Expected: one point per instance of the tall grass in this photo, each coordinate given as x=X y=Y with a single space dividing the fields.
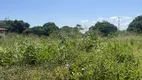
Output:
x=70 y=57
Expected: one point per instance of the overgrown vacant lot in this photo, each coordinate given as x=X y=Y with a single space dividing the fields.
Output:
x=71 y=58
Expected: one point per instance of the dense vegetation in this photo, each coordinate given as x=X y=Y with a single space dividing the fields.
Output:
x=136 y=25
x=17 y=26
x=61 y=57
x=104 y=27
x=51 y=53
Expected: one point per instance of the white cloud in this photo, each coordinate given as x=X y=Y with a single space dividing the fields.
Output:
x=85 y=25
x=124 y=26
x=124 y=21
x=113 y=19
x=125 y=17
x=94 y=22
x=138 y=14
x=100 y=19
x=85 y=21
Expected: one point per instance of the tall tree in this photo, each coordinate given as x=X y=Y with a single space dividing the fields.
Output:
x=136 y=25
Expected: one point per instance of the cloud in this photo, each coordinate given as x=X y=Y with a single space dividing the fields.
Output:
x=113 y=19
x=100 y=19
x=94 y=22
x=125 y=17
x=138 y=14
x=124 y=26
x=85 y=24
x=124 y=21
x=85 y=21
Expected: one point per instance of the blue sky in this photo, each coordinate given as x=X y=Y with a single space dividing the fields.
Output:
x=71 y=12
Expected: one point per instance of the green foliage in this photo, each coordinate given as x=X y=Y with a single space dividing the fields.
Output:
x=37 y=30
x=79 y=27
x=17 y=26
x=136 y=25
x=68 y=29
x=46 y=29
x=64 y=57
x=50 y=27
x=104 y=27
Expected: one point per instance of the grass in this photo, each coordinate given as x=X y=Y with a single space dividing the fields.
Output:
x=70 y=57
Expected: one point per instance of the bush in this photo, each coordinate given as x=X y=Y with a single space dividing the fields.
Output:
x=74 y=58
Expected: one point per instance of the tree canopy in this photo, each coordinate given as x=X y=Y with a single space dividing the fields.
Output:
x=17 y=26
x=136 y=25
x=69 y=29
x=50 y=27
x=46 y=29
x=104 y=27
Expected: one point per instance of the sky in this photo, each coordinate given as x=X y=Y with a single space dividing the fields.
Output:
x=71 y=12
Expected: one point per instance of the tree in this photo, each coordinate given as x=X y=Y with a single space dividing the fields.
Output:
x=78 y=27
x=46 y=29
x=66 y=29
x=104 y=27
x=17 y=26
x=69 y=29
x=27 y=31
x=50 y=27
x=136 y=25
x=2 y=23
x=38 y=30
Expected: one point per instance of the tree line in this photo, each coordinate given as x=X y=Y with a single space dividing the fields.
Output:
x=104 y=27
